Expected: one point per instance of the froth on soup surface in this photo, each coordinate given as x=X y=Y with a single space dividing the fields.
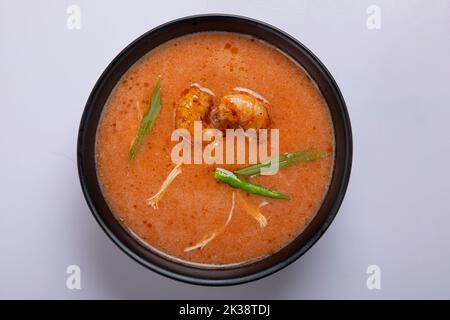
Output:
x=195 y=204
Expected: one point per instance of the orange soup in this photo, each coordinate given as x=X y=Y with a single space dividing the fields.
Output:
x=196 y=218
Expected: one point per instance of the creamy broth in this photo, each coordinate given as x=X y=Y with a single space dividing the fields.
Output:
x=195 y=204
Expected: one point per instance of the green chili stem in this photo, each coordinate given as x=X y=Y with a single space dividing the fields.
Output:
x=232 y=180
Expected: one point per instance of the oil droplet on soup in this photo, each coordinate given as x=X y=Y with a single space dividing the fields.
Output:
x=195 y=206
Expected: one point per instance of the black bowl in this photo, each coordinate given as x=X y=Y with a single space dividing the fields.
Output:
x=195 y=274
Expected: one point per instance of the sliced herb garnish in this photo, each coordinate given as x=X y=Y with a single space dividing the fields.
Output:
x=285 y=160
x=147 y=122
x=234 y=181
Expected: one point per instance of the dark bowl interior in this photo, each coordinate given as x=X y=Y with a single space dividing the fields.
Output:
x=193 y=274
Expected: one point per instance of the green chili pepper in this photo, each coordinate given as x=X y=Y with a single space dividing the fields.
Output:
x=285 y=160
x=231 y=179
x=148 y=121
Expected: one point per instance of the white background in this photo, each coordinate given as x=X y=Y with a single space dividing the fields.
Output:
x=396 y=84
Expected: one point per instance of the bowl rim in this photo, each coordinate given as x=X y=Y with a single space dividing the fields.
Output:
x=259 y=274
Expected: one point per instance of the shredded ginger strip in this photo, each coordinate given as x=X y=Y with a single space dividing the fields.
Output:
x=153 y=201
x=254 y=212
x=215 y=233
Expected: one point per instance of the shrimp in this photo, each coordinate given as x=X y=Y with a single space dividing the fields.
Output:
x=241 y=109
x=195 y=105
